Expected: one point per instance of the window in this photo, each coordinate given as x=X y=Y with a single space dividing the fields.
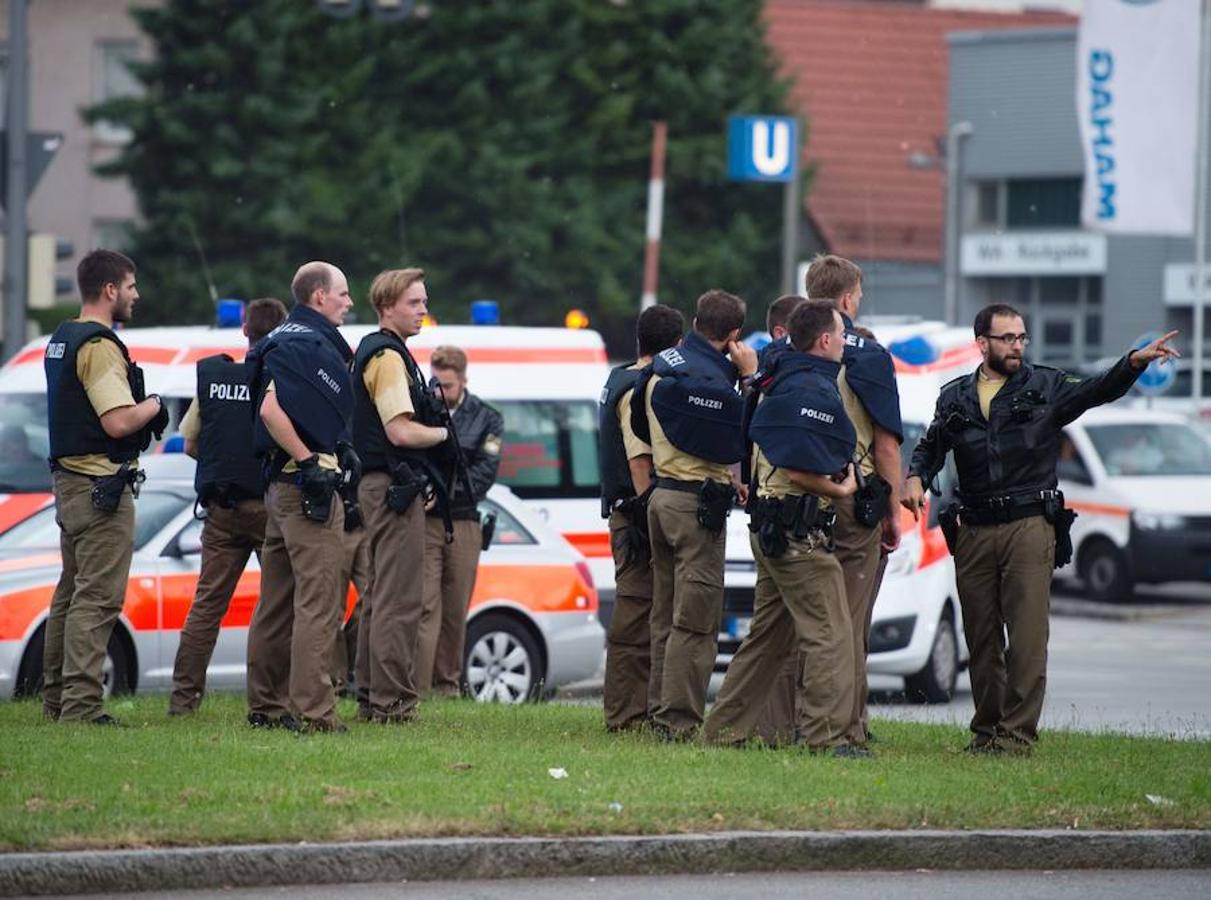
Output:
x=113 y=79
x=24 y=444
x=1070 y=466
x=153 y=510
x=550 y=448
x=1148 y=449
x=508 y=530
x=1043 y=202
x=988 y=204
x=112 y=234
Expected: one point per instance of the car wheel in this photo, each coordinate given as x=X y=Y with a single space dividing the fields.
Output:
x=1105 y=574
x=116 y=671
x=502 y=662
x=935 y=683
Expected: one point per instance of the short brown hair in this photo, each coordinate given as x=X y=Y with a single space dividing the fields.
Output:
x=810 y=320
x=718 y=315
x=262 y=316
x=779 y=312
x=102 y=267
x=831 y=277
x=390 y=284
x=450 y=358
x=311 y=277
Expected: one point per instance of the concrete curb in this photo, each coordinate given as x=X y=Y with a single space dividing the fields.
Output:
x=462 y=858
x=1115 y=612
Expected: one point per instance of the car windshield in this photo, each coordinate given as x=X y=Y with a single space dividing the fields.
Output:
x=153 y=510
x=24 y=445
x=549 y=448
x=1148 y=448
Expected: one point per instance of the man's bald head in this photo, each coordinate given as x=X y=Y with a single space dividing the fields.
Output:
x=312 y=277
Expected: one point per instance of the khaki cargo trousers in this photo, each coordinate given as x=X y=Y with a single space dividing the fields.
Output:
x=799 y=603
x=96 y=548
x=302 y=598
x=1004 y=578
x=356 y=570
x=450 y=571
x=687 y=606
x=229 y=538
x=631 y=688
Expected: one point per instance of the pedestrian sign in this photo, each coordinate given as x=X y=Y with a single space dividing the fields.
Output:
x=1160 y=374
x=762 y=148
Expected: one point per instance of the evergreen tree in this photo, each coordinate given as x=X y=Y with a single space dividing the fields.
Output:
x=503 y=146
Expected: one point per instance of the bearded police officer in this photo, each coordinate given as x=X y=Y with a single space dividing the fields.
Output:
x=803 y=439
x=98 y=422
x=394 y=430
x=690 y=415
x=231 y=488
x=868 y=524
x=626 y=485
x=450 y=566
x=299 y=382
x=1003 y=423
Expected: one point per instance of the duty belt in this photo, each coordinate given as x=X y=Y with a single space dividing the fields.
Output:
x=1004 y=509
x=676 y=484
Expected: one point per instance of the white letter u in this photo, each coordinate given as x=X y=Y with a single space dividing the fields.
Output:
x=771 y=157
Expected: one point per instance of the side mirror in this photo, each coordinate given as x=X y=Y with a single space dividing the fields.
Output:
x=189 y=542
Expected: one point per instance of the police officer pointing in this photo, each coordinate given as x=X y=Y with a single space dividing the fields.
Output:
x=393 y=429
x=231 y=488
x=302 y=397
x=626 y=485
x=804 y=439
x=691 y=415
x=99 y=421
x=1003 y=424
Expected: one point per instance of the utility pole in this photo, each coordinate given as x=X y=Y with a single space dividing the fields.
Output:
x=954 y=212
x=655 y=218
x=16 y=253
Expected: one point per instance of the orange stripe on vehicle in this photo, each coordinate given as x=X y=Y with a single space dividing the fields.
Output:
x=29 y=562
x=18 y=507
x=20 y=609
x=160 y=356
x=1098 y=509
x=951 y=358
x=33 y=354
x=538 y=588
x=593 y=544
x=193 y=354
x=524 y=355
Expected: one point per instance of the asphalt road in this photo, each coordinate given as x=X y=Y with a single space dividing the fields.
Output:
x=1174 y=885
x=1143 y=669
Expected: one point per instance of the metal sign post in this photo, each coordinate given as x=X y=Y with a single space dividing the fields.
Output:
x=766 y=148
x=16 y=259
x=1200 y=206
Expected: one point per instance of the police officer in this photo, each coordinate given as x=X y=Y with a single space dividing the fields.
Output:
x=803 y=440
x=691 y=417
x=1003 y=424
x=300 y=389
x=98 y=421
x=394 y=432
x=626 y=484
x=868 y=524
x=217 y=430
x=450 y=566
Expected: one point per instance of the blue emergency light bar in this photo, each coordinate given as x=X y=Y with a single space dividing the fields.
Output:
x=485 y=312
x=229 y=314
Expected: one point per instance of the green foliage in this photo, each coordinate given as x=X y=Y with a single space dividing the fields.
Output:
x=503 y=146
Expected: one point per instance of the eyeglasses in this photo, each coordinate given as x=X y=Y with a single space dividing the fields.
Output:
x=1010 y=339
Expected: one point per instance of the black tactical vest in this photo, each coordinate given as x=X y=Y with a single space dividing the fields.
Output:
x=228 y=469
x=370 y=439
x=612 y=455
x=74 y=426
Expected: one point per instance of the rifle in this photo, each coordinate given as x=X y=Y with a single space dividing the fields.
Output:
x=460 y=472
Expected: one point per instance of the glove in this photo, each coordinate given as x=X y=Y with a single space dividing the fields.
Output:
x=159 y=424
x=349 y=462
x=317 y=486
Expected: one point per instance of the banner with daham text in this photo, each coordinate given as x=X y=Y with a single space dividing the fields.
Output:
x=1137 y=103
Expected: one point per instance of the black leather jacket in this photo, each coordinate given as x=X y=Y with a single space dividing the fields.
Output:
x=480 y=430
x=1015 y=451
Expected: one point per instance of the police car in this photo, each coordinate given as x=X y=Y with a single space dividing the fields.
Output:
x=532 y=624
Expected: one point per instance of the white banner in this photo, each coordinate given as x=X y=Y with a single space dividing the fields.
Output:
x=1137 y=104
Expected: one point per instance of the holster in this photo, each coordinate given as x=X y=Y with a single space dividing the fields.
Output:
x=1061 y=519
x=776 y=521
x=406 y=486
x=317 y=493
x=489 y=529
x=715 y=502
x=638 y=547
x=353 y=514
x=107 y=491
x=871 y=501
x=948 y=521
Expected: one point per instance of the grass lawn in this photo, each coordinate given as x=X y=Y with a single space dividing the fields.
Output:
x=468 y=769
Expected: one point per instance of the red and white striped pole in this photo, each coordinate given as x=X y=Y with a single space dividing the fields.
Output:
x=651 y=255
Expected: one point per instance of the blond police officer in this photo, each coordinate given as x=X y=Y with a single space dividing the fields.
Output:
x=691 y=417
x=803 y=439
x=99 y=421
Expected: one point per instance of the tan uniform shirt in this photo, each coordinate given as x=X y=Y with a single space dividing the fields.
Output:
x=987 y=388
x=101 y=368
x=191 y=425
x=773 y=481
x=387 y=382
x=864 y=426
x=671 y=462
x=326 y=460
x=630 y=441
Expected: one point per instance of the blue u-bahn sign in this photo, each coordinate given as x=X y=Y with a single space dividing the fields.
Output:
x=762 y=148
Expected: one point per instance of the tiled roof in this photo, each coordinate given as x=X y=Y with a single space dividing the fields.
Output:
x=870 y=77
